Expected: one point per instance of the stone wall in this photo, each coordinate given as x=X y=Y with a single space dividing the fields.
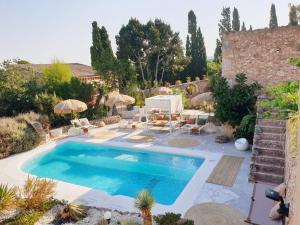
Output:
x=262 y=54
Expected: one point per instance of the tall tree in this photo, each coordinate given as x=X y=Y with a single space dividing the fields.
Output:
x=225 y=22
x=188 y=46
x=218 y=52
x=197 y=50
x=293 y=17
x=250 y=28
x=273 y=17
x=236 y=25
x=244 y=27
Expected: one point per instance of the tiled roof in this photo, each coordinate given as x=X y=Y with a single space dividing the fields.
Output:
x=79 y=70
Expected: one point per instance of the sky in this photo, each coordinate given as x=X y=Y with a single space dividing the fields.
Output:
x=42 y=30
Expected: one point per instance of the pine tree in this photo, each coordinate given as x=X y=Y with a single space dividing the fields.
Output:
x=244 y=27
x=273 y=18
x=218 y=52
x=236 y=25
x=225 y=22
x=293 y=19
x=188 y=46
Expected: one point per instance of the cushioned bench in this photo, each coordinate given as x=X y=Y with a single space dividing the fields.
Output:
x=260 y=206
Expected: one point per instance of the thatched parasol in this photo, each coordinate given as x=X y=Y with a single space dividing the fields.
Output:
x=202 y=99
x=70 y=106
x=117 y=99
x=162 y=91
x=215 y=213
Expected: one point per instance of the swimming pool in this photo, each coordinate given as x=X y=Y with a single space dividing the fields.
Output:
x=116 y=170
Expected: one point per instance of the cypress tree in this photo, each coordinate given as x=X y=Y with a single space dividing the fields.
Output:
x=273 y=18
x=96 y=49
x=192 y=23
x=218 y=52
x=188 y=46
x=250 y=28
x=200 y=60
x=244 y=27
x=225 y=22
x=236 y=25
x=293 y=19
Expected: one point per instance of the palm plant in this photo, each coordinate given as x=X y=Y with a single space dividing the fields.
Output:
x=7 y=197
x=144 y=202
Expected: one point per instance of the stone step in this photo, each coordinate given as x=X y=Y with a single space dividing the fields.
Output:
x=276 y=123
x=280 y=145
x=277 y=161
x=267 y=168
x=266 y=177
x=270 y=136
x=269 y=129
x=264 y=151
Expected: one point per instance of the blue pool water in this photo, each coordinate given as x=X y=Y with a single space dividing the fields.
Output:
x=117 y=171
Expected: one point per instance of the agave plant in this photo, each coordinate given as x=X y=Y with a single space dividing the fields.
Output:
x=144 y=202
x=72 y=212
x=7 y=197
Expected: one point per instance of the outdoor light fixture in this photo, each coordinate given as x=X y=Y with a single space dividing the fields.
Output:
x=283 y=208
x=107 y=216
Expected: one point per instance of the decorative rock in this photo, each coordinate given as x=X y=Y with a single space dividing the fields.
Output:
x=101 y=124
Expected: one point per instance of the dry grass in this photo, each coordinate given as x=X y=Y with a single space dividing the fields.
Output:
x=36 y=193
x=8 y=197
x=71 y=212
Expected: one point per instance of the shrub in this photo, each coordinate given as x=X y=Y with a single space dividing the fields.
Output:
x=188 y=79
x=172 y=219
x=295 y=61
x=27 y=218
x=197 y=78
x=36 y=193
x=16 y=137
x=231 y=104
x=71 y=212
x=7 y=197
x=246 y=128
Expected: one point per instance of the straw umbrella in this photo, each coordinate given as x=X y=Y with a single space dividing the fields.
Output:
x=70 y=106
x=162 y=91
x=116 y=99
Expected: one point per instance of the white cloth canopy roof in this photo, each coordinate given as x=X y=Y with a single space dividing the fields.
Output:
x=169 y=103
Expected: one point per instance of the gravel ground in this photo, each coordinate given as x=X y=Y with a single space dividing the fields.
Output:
x=94 y=215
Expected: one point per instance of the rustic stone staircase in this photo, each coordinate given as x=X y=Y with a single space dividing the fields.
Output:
x=268 y=156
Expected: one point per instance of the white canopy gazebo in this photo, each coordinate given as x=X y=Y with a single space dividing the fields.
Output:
x=171 y=104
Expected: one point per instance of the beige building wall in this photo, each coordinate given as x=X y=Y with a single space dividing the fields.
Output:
x=262 y=54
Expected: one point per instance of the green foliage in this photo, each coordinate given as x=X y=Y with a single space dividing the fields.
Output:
x=244 y=27
x=213 y=69
x=246 y=128
x=232 y=104
x=284 y=98
x=7 y=197
x=218 y=52
x=295 y=61
x=27 y=218
x=273 y=17
x=45 y=103
x=225 y=22
x=196 y=49
x=56 y=74
x=144 y=201
x=15 y=83
x=293 y=15
x=171 y=219
x=236 y=25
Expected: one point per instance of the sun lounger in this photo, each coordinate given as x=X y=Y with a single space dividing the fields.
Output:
x=84 y=122
x=75 y=131
x=193 y=127
x=260 y=206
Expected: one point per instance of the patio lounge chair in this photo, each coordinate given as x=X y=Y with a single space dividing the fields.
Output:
x=84 y=122
x=260 y=206
x=192 y=126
